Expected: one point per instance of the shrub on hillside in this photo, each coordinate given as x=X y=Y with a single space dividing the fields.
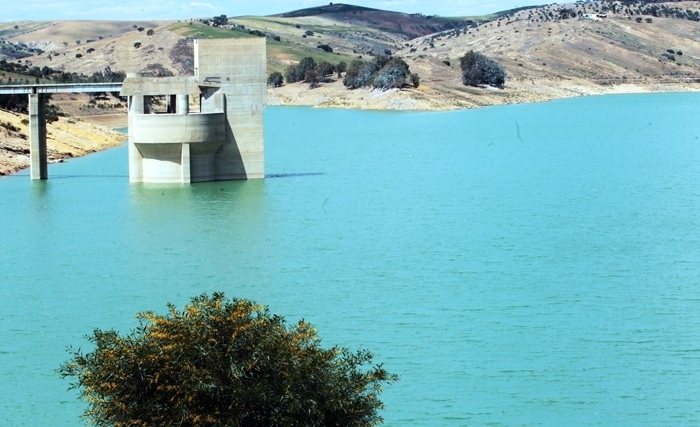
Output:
x=341 y=67
x=275 y=79
x=381 y=72
x=297 y=73
x=324 y=69
x=415 y=79
x=479 y=70
x=392 y=75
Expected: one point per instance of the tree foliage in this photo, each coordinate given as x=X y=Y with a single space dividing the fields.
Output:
x=480 y=70
x=297 y=73
x=341 y=67
x=222 y=362
x=415 y=79
x=275 y=79
x=325 y=69
x=220 y=20
x=381 y=72
x=392 y=75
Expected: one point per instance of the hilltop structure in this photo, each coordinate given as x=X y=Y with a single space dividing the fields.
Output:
x=222 y=141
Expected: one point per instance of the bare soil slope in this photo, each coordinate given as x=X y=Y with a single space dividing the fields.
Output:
x=66 y=138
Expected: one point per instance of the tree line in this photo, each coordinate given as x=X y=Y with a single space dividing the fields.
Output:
x=381 y=72
x=58 y=76
x=384 y=72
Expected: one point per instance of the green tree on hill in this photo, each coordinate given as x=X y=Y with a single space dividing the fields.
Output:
x=220 y=20
x=381 y=72
x=392 y=75
x=275 y=79
x=479 y=70
x=297 y=73
x=325 y=69
x=341 y=67
x=223 y=362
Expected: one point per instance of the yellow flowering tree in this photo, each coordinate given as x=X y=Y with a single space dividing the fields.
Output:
x=222 y=362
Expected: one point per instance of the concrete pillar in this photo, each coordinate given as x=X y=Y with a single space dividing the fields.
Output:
x=183 y=104
x=185 y=163
x=38 y=167
x=135 y=163
x=136 y=106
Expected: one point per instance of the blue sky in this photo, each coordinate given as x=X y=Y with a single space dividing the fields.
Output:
x=26 y=10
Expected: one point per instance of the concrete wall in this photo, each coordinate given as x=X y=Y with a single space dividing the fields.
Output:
x=176 y=128
x=177 y=147
x=225 y=140
x=237 y=67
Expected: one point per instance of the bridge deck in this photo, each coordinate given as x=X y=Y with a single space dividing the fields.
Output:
x=60 y=88
x=38 y=168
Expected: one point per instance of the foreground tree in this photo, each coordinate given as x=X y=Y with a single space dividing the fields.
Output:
x=224 y=362
x=480 y=70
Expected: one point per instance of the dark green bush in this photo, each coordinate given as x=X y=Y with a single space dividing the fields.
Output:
x=275 y=79
x=479 y=70
x=381 y=72
x=296 y=73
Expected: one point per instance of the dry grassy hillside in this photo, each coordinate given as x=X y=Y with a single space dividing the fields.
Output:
x=613 y=49
x=548 y=52
x=100 y=44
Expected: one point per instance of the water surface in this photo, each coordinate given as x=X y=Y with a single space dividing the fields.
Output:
x=529 y=265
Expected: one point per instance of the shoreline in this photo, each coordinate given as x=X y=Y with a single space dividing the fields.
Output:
x=78 y=136
x=67 y=138
x=453 y=97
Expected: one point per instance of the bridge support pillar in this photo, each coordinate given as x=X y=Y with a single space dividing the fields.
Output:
x=38 y=166
x=183 y=104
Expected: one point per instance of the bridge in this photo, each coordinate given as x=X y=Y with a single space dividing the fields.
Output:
x=38 y=167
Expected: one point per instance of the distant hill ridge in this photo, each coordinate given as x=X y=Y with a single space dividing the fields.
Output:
x=331 y=8
x=410 y=25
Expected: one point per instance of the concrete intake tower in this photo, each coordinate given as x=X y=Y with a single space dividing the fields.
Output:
x=222 y=141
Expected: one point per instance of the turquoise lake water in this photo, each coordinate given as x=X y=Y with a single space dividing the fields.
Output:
x=528 y=265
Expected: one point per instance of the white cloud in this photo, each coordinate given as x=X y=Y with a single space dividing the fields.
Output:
x=199 y=4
